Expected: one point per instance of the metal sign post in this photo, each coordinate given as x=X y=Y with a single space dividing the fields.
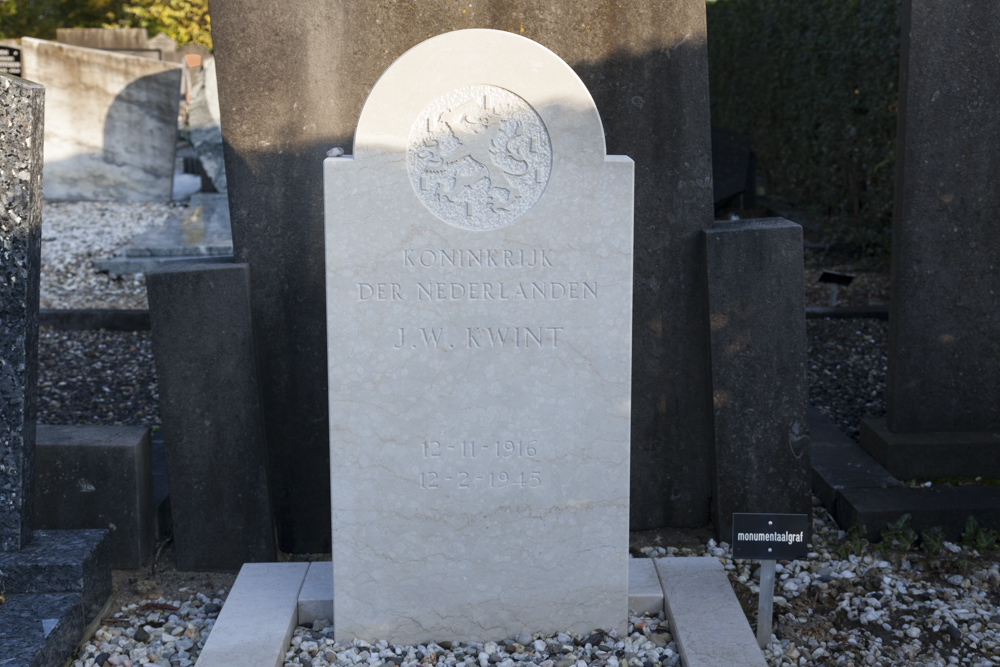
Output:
x=769 y=538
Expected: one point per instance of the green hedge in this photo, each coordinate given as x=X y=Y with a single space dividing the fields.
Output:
x=813 y=83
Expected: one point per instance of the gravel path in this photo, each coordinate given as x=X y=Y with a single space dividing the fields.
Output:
x=848 y=603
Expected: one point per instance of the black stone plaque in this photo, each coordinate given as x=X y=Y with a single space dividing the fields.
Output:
x=10 y=60
x=770 y=536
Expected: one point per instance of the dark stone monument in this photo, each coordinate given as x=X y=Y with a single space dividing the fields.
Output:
x=22 y=110
x=646 y=66
x=943 y=388
x=210 y=403
x=54 y=581
x=90 y=476
x=758 y=342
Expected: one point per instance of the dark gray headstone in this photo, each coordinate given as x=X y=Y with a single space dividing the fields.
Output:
x=944 y=326
x=758 y=340
x=89 y=476
x=210 y=404
x=21 y=119
x=647 y=68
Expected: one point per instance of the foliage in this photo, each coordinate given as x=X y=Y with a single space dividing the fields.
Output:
x=932 y=540
x=813 y=83
x=977 y=537
x=184 y=21
x=899 y=535
x=855 y=542
x=40 y=18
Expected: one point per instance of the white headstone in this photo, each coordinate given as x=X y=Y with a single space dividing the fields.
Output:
x=479 y=305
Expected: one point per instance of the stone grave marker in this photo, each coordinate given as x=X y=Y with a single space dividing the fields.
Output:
x=943 y=388
x=479 y=312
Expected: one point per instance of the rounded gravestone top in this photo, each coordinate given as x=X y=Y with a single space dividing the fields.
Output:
x=479 y=157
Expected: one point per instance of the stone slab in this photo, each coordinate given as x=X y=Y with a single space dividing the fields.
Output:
x=754 y=273
x=62 y=561
x=840 y=463
x=201 y=229
x=645 y=594
x=944 y=325
x=40 y=629
x=932 y=455
x=255 y=625
x=479 y=351
x=646 y=65
x=948 y=507
x=705 y=617
x=316 y=596
x=98 y=477
x=22 y=120
x=206 y=372
x=111 y=122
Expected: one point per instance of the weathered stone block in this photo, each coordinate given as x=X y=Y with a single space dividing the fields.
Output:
x=758 y=342
x=110 y=121
x=21 y=120
x=210 y=403
x=98 y=477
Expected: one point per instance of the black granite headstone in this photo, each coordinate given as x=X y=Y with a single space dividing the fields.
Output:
x=21 y=119
x=944 y=324
x=758 y=338
x=646 y=65
x=210 y=403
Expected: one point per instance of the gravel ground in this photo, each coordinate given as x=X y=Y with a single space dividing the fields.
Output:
x=74 y=234
x=848 y=603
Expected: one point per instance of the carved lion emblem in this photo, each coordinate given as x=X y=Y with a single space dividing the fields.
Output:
x=479 y=157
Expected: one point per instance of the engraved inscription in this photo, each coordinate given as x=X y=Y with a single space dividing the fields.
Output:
x=480 y=338
x=479 y=157
x=494 y=479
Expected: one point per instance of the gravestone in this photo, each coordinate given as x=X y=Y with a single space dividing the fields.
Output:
x=943 y=387
x=646 y=66
x=479 y=300
x=51 y=582
x=110 y=122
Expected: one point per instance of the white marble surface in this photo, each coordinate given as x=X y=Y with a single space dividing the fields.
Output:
x=645 y=595
x=509 y=341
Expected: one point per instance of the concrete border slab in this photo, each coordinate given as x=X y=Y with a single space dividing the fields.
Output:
x=256 y=623
x=316 y=597
x=645 y=595
x=705 y=617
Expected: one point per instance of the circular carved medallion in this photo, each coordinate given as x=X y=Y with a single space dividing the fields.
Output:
x=479 y=157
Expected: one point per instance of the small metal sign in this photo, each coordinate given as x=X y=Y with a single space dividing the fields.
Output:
x=10 y=60
x=770 y=536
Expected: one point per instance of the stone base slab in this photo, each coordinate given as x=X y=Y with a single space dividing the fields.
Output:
x=39 y=629
x=62 y=561
x=856 y=490
x=705 y=616
x=932 y=455
x=269 y=599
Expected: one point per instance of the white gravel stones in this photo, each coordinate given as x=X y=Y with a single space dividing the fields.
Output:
x=842 y=607
x=160 y=632
x=649 y=644
x=76 y=233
